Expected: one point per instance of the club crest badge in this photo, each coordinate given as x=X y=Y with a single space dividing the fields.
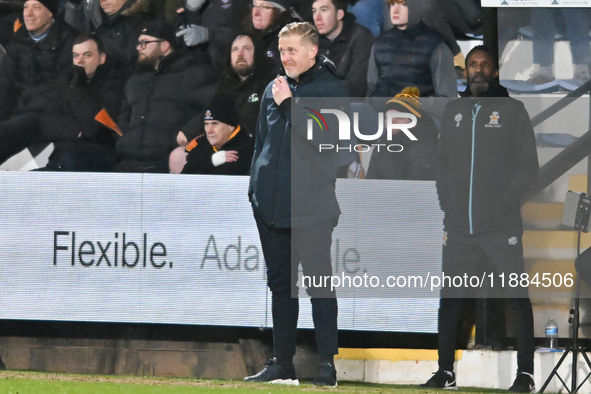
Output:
x=494 y=118
x=513 y=241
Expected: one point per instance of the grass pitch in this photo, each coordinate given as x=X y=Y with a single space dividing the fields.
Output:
x=19 y=382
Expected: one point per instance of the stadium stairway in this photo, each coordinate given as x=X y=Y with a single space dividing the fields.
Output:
x=550 y=247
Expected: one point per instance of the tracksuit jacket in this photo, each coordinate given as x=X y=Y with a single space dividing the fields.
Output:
x=487 y=159
x=285 y=159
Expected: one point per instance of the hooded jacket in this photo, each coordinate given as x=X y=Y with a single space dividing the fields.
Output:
x=487 y=159
x=158 y=104
x=248 y=93
x=416 y=56
x=291 y=184
x=31 y=70
x=350 y=52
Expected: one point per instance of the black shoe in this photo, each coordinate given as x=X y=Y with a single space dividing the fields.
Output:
x=326 y=375
x=523 y=383
x=442 y=380
x=275 y=373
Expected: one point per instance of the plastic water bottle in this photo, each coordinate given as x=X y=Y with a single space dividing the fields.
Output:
x=552 y=332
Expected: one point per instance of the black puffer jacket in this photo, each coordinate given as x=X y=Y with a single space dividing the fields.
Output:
x=119 y=32
x=158 y=104
x=403 y=58
x=69 y=121
x=31 y=71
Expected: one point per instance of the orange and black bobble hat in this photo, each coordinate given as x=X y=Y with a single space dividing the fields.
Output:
x=407 y=100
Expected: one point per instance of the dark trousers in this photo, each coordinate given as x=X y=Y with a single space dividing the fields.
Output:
x=18 y=133
x=499 y=252
x=284 y=250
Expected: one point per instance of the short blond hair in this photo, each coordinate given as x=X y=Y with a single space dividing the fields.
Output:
x=305 y=30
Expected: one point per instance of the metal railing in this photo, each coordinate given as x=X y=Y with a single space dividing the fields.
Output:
x=570 y=156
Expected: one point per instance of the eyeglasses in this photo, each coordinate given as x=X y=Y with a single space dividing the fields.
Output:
x=143 y=44
x=261 y=7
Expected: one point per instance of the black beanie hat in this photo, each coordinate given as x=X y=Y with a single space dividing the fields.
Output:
x=160 y=29
x=51 y=5
x=223 y=109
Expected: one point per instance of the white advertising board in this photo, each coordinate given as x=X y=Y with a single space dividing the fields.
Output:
x=185 y=250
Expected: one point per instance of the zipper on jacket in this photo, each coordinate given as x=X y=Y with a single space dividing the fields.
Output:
x=477 y=107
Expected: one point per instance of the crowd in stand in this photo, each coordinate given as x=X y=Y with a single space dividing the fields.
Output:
x=137 y=85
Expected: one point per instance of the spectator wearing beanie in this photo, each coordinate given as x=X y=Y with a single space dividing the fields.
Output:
x=169 y=88
x=39 y=54
x=402 y=158
x=225 y=148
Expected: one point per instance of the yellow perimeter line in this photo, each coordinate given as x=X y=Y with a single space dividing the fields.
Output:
x=391 y=354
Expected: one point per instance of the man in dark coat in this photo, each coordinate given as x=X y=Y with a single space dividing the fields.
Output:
x=218 y=23
x=410 y=54
x=39 y=54
x=96 y=83
x=264 y=22
x=170 y=88
x=346 y=43
x=295 y=208
x=120 y=27
x=225 y=148
x=487 y=159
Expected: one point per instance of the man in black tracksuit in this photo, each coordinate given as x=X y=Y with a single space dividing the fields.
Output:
x=487 y=159
x=292 y=189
